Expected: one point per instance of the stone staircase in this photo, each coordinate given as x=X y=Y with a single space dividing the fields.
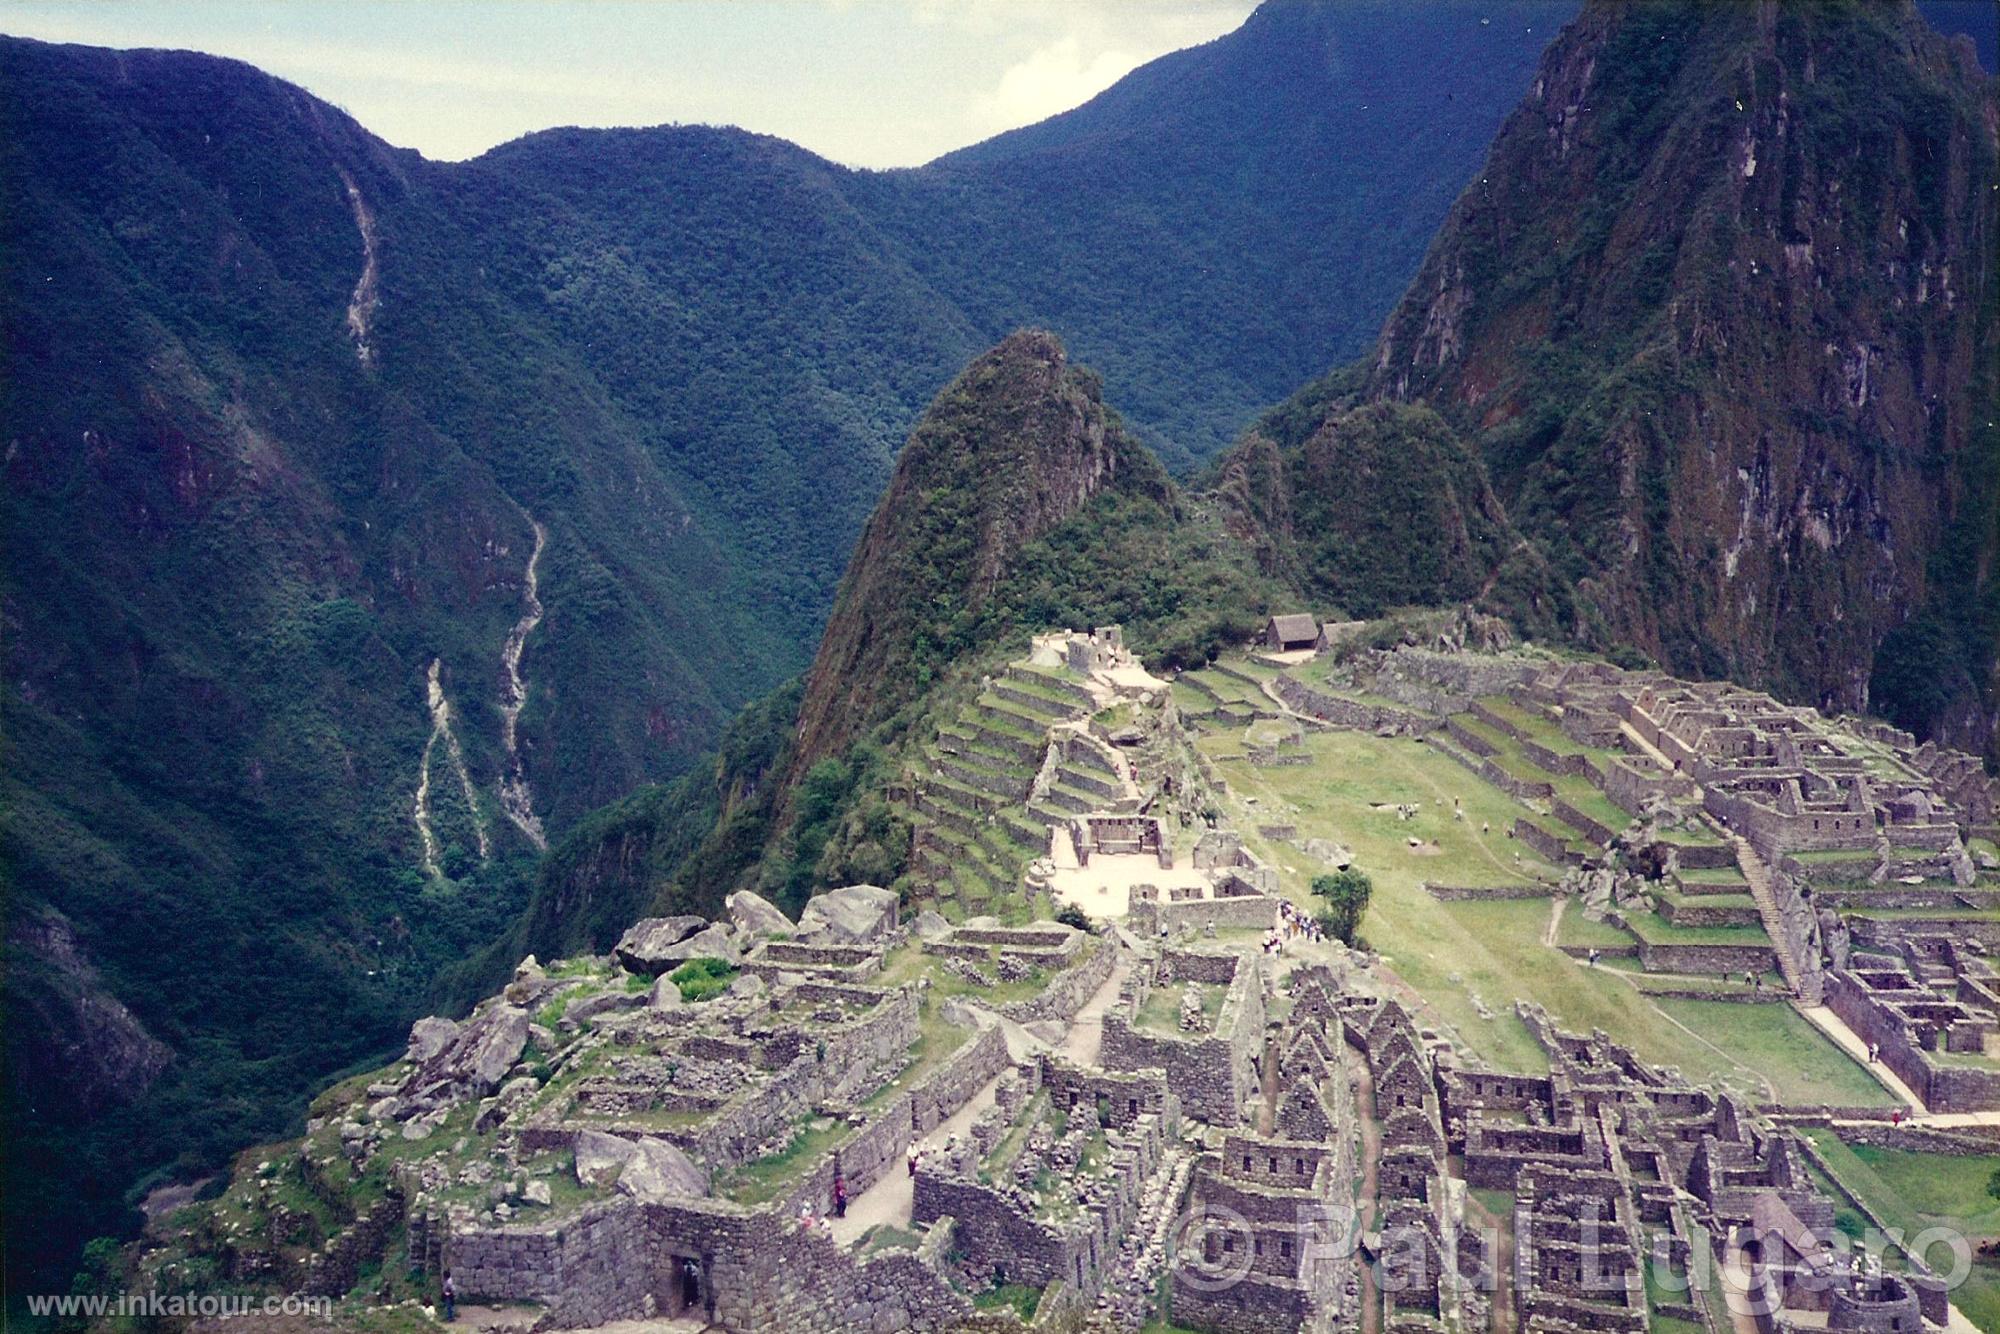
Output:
x=1802 y=976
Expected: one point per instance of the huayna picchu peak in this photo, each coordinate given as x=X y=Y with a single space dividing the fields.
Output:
x=1345 y=683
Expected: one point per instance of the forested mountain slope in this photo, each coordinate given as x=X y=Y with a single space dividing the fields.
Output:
x=369 y=519
x=1719 y=314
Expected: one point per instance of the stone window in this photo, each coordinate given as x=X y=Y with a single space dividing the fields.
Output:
x=1274 y=1164
x=1285 y=1247
x=1229 y=1241
x=1298 y=1167
x=1246 y=1162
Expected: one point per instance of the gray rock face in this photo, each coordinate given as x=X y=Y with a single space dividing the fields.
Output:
x=930 y=925
x=755 y=915
x=747 y=984
x=659 y=1171
x=603 y=1003
x=428 y=1037
x=854 y=915
x=664 y=995
x=601 y=1157
x=497 y=1041
x=712 y=943
x=649 y=946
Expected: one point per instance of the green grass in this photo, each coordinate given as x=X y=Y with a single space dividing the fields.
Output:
x=1658 y=930
x=1162 y=1011
x=1576 y=929
x=1914 y=1191
x=1016 y=1297
x=1447 y=952
x=702 y=979
x=887 y=1236
x=1801 y=1064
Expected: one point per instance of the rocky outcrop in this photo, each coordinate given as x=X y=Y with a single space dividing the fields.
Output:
x=658 y=1171
x=754 y=915
x=94 y=1051
x=1719 y=316
x=850 y=916
x=657 y=944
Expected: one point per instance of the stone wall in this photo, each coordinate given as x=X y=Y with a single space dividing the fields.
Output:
x=1460 y=893
x=1211 y=1074
x=1149 y=920
x=1069 y=990
x=1709 y=959
x=1301 y=698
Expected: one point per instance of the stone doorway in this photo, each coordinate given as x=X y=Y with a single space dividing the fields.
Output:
x=687 y=1286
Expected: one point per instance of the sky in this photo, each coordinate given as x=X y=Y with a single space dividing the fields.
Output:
x=870 y=83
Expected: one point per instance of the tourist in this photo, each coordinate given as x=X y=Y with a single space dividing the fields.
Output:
x=1593 y=956
x=1874 y=1050
x=450 y=1291
x=806 y=1220
x=915 y=1153
x=839 y=1195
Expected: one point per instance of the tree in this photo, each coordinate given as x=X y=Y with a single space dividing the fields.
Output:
x=1346 y=893
x=1071 y=915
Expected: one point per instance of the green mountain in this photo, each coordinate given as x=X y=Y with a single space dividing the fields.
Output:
x=1719 y=316
x=370 y=520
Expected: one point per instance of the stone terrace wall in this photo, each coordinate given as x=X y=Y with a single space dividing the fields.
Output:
x=1069 y=990
x=1302 y=698
x=1707 y=959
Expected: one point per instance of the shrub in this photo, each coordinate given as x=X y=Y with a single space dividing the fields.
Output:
x=703 y=979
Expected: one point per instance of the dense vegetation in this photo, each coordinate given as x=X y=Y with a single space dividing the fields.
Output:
x=234 y=546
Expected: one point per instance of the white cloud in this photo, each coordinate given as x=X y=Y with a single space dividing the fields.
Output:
x=1053 y=79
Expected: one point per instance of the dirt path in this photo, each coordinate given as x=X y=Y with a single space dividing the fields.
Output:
x=1504 y=1319
x=1737 y=1293
x=1556 y=906
x=1371 y=1162
x=890 y=1199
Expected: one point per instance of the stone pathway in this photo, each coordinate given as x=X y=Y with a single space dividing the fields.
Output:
x=890 y=1199
x=1086 y=1031
x=1848 y=1041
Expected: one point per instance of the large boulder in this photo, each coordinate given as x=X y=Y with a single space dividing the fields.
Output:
x=428 y=1037
x=851 y=916
x=659 y=1171
x=649 y=947
x=493 y=1043
x=600 y=1158
x=755 y=915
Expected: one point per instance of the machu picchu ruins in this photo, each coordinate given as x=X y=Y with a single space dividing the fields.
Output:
x=1095 y=1065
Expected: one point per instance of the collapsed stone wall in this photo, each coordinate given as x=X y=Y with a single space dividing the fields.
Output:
x=853 y=1054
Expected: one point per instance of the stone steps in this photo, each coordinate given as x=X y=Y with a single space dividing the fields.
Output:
x=1758 y=876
